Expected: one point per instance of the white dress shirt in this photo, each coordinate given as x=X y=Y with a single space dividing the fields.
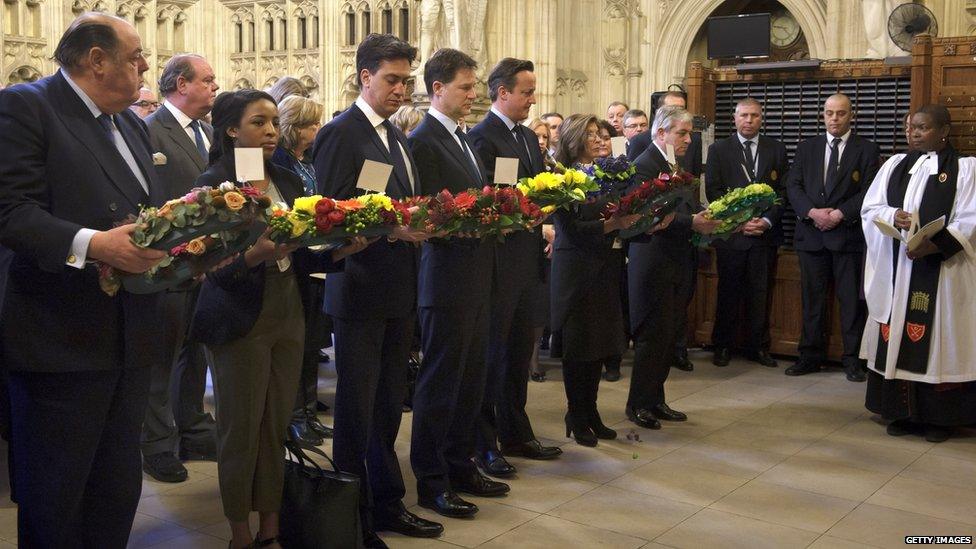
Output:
x=185 y=122
x=376 y=121
x=840 y=151
x=79 y=244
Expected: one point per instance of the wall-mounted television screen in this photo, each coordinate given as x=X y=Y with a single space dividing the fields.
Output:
x=738 y=36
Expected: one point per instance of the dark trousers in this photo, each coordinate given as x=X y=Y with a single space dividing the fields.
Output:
x=174 y=413
x=816 y=271
x=371 y=362
x=743 y=275
x=684 y=300
x=449 y=393
x=75 y=448
x=655 y=337
x=511 y=340
x=316 y=337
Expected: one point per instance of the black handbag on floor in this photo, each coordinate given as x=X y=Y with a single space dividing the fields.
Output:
x=319 y=507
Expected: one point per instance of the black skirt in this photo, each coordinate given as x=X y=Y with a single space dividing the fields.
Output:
x=943 y=404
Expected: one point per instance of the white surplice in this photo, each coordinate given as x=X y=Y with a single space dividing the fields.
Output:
x=952 y=353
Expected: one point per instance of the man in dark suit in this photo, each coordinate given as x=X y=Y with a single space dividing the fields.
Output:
x=453 y=328
x=745 y=260
x=180 y=142
x=77 y=162
x=658 y=275
x=691 y=162
x=516 y=293
x=830 y=175
x=373 y=301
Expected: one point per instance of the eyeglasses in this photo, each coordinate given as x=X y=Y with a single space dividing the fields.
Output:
x=143 y=104
x=636 y=126
x=593 y=136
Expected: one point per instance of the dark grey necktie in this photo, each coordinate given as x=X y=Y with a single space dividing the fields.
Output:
x=833 y=162
x=466 y=151
x=750 y=159
x=198 y=135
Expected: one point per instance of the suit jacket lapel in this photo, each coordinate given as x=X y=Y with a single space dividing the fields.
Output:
x=140 y=151
x=453 y=148
x=79 y=122
x=178 y=134
x=400 y=178
x=506 y=137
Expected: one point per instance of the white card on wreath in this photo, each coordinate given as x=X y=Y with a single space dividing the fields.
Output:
x=249 y=164
x=374 y=176
x=506 y=171
x=618 y=146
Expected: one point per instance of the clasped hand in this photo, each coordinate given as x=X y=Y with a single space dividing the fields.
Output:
x=702 y=224
x=825 y=219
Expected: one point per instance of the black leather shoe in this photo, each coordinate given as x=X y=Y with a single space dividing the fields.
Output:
x=164 y=467
x=538 y=377
x=318 y=427
x=532 y=449
x=324 y=355
x=722 y=356
x=408 y=524
x=663 y=411
x=934 y=433
x=300 y=432
x=477 y=484
x=855 y=372
x=372 y=541
x=682 y=363
x=198 y=452
x=448 y=504
x=495 y=464
x=612 y=374
x=643 y=418
x=901 y=427
x=762 y=357
x=802 y=367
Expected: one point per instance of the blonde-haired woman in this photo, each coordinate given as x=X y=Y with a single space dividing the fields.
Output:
x=300 y=119
x=541 y=131
x=407 y=118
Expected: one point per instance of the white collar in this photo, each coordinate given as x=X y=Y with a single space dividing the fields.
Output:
x=96 y=112
x=664 y=154
x=180 y=116
x=509 y=123
x=843 y=138
x=451 y=125
x=374 y=119
x=742 y=139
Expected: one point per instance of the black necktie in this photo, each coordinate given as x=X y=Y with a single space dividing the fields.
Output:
x=832 y=164
x=108 y=124
x=523 y=151
x=750 y=160
x=399 y=166
x=466 y=152
x=198 y=135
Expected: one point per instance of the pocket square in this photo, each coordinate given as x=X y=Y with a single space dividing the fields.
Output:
x=159 y=159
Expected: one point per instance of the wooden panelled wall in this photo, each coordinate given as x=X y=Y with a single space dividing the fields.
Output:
x=942 y=70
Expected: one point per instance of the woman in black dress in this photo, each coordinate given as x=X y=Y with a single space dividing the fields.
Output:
x=585 y=287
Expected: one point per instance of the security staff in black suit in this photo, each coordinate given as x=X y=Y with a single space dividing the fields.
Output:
x=692 y=163
x=744 y=260
x=830 y=175
x=180 y=140
x=658 y=274
x=516 y=293
x=373 y=301
x=76 y=162
x=453 y=328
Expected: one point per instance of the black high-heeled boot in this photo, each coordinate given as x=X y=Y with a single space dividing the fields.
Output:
x=599 y=429
x=578 y=426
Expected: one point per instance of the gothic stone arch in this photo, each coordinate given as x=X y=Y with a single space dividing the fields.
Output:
x=669 y=52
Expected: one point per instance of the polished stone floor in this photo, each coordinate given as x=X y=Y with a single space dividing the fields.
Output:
x=765 y=460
